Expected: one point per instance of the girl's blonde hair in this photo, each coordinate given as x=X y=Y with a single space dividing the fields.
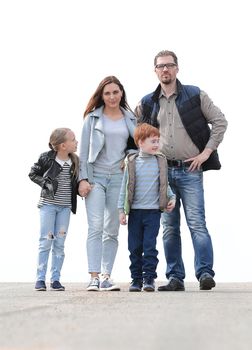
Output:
x=59 y=136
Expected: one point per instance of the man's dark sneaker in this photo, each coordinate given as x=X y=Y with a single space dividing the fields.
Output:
x=206 y=281
x=173 y=285
x=136 y=285
x=149 y=285
x=56 y=285
x=40 y=286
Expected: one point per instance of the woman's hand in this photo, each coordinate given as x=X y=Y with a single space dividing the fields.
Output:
x=84 y=188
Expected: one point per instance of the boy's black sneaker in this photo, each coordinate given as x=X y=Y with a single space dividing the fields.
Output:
x=136 y=285
x=149 y=285
x=56 y=285
x=40 y=286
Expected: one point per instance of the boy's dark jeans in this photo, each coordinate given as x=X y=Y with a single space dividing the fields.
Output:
x=143 y=228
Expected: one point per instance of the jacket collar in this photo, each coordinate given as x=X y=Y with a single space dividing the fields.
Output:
x=52 y=154
x=98 y=112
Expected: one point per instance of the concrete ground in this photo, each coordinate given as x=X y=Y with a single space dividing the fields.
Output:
x=76 y=319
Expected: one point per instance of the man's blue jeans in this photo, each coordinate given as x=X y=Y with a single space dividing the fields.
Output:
x=143 y=229
x=54 y=222
x=188 y=187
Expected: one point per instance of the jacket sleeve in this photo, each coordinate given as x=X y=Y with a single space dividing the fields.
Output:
x=37 y=171
x=84 y=148
x=139 y=112
x=122 y=195
x=131 y=146
x=170 y=193
x=216 y=118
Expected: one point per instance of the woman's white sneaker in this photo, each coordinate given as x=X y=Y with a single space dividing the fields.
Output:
x=107 y=284
x=94 y=284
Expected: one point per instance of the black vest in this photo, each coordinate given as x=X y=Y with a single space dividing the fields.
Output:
x=189 y=108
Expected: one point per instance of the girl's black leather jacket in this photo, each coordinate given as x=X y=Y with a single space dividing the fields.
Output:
x=44 y=173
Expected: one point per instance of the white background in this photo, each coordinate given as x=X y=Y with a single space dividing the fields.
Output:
x=54 y=54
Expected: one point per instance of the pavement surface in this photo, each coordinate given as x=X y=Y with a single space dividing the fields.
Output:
x=77 y=319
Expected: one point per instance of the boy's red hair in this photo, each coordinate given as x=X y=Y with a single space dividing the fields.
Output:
x=143 y=131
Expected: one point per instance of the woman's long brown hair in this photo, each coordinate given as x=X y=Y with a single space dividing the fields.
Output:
x=96 y=100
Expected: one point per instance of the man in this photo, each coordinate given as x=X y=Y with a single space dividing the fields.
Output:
x=183 y=114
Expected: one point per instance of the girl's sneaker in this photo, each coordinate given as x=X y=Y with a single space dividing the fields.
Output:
x=94 y=284
x=40 y=286
x=56 y=285
x=108 y=284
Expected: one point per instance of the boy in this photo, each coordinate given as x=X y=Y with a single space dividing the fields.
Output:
x=145 y=192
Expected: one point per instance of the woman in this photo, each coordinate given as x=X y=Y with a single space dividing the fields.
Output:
x=106 y=137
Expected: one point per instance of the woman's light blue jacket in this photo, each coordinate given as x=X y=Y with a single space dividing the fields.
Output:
x=93 y=138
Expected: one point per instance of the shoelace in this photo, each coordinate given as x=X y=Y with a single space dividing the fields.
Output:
x=95 y=281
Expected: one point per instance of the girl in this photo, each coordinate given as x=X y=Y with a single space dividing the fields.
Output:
x=56 y=172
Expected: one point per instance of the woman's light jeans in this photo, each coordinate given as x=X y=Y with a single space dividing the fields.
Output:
x=103 y=222
x=54 y=222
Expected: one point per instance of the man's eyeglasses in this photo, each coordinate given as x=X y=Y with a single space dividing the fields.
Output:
x=167 y=65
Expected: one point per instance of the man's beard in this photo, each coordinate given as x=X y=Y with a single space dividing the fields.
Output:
x=166 y=81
